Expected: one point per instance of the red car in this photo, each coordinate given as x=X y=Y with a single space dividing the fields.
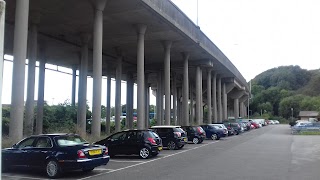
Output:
x=256 y=125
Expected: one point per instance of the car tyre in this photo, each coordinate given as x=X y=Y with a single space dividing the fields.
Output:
x=196 y=140
x=171 y=145
x=215 y=137
x=144 y=153
x=52 y=169
x=87 y=170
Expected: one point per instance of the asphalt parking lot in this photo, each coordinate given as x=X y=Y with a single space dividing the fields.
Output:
x=267 y=153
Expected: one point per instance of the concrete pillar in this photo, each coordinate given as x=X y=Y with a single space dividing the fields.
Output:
x=33 y=49
x=214 y=98
x=185 y=93
x=74 y=81
x=82 y=91
x=201 y=98
x=179 y=108
x=191 y=105
x=129 y=110
x=174 y=96
x=198 y=96
x=40 y=102
x=225 y=103
x=159 y=99
x=108 y=108
x=167 y=47
x=147 y=122
x=18 y=73
x=97 y=67
x=209 y=97
x=118 y=108
x=162 y=99
x=140 y=76
x=242 y=110
x=236 y=108
x=219 y=100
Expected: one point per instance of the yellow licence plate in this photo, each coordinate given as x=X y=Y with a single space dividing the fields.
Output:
x=160 y=148
x=185 y=139
x=95 y=152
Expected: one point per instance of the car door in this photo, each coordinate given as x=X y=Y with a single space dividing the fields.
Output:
x=18 y=155
x=116 y=142
x=39 y=153
x=134 y=142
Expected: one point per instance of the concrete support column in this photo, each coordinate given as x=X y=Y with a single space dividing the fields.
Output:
x=236 y=108
x=201 y=97
x=74 y=81
x=97 y=67
x=219 y=101
x=214 y=98
x=198 y=96
x=118 y=108
x=167 y=47
x=108 y=108
x=82 y=92
x=242 y=110
x=185 y=93
x=40 y=102
x=191 y=105
x=159 y=99
x=129 y=110
x=140 y=76
x=225 y=103
x=33 y=50
x=147 y=122
x=18 y=73
x=174 y=96
x=179 y=108
x=209 y=97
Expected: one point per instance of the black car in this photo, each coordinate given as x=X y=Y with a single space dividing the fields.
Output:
x=145 y=143
x=213 y=132
x=173 y=137
x=194 y=133
x=55 y=153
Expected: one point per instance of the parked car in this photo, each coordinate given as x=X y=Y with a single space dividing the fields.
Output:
x=231 y=131
x=195 y=133
x=173 y=137
x=144 y=143
x=55 y=153
x=213 y=132
x=223 y=127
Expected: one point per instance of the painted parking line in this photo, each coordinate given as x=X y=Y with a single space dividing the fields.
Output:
x=125 y=161
x=22 y=177
x=148 y=161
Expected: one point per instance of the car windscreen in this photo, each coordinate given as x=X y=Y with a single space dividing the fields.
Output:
x=64 y=141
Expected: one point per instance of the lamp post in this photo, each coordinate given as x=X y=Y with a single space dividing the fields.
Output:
x=291 y=114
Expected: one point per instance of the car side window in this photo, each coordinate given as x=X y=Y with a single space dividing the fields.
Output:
x=43 y=142
x=132 y=135
x=27 y=143
x=119 y=136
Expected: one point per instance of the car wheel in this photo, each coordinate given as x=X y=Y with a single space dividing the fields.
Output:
x=52 y=169
x=172 y=145
x=195 y=140
x=215 y=137
x=237 y=133
x=144 y=153
x=87 y=169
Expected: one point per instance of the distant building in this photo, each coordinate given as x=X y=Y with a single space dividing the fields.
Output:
x=306 y=115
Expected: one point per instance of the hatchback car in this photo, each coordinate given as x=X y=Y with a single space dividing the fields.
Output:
x=144 y=143
x=213 y=132
x=55 y=153
x=173 y=137
x=195 y=133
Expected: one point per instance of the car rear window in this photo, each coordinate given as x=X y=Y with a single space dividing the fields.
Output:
x=177 y=130
x=70 y=141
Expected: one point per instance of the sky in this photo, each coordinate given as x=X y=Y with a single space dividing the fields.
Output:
x=255 y=35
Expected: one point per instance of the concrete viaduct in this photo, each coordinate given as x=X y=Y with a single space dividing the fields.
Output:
x=148 y=42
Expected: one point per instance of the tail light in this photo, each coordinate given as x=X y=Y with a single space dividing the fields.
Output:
x=224 y=130
x=199 y=130
x=152 y=141
x=106 y=152
x=81 y=154
x=177 y=134
x=238 y=126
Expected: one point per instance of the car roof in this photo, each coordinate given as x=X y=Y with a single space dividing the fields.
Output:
x=54 y=134
x=165 y=126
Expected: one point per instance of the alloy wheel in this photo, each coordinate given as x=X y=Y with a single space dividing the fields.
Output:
x=214 y=137
x=144 y=153
x=52 y=168
x=195 y=140
x=172 y=145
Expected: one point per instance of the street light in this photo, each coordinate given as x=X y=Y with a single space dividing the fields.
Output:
x=291 y=114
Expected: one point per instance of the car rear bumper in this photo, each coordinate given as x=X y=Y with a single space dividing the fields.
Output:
x=83 y=163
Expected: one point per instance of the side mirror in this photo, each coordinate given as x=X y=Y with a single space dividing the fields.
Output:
x=14 y=146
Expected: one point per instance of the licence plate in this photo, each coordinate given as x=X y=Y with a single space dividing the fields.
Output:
x=160 y=148
x=95 y=152
x=185 y=139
